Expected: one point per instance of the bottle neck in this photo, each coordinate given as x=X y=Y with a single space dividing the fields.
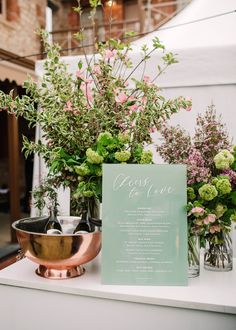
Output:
x=53 y=226
x=84 y=216
x=83 y=225
x=53 y=214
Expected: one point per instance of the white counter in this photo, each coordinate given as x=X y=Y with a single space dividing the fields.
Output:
x=29 y=302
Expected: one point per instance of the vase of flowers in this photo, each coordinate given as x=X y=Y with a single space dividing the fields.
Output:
x=193 y=255
x=211 y=171
x=100 y=114
x=217 y=201
x=218 y=254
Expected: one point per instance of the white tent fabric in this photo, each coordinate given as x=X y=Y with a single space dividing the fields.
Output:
x=206 y=51
x=207 y=60
x=206 y=48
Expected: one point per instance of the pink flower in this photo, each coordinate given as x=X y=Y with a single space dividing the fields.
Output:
x=197 y=211
x=109 y=54
x=80 y=74
x=214 y=229
x=121 y=98
x=133 y=107
x=97 y=69
x=144 y=100
x=86 y=89
x=146 y=79
x=188 y=108
x=68 y=106
x=209 y=219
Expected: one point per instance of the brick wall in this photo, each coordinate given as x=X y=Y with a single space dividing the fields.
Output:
x=65 y=17
x=17 y=28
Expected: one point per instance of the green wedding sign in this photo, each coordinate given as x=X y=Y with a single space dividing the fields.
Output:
x=144 y=238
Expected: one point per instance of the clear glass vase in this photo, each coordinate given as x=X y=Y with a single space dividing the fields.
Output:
x=193 y=256
x=218 y=255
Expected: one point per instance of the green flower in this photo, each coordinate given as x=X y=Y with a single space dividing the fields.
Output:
x=208 y=192
x=122 y=156
x=220 y=210
x=223 y=186
x=123 y=138
x=93 y=157
x=214 y=181
x=84 y=189
x=190 y=193
x=88 y=193
x=82 y=170
x=146 y=157
x=105 y=138
x=223 y=160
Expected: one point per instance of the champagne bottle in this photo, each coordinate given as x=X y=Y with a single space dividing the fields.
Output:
x=53 y=226
x=83 y=226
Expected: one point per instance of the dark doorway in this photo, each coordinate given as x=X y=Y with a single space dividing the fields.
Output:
x=15 y=172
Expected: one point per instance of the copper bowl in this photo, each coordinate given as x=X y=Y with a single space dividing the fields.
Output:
x=59 y=256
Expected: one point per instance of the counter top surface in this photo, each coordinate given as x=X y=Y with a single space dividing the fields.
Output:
x=211 y=291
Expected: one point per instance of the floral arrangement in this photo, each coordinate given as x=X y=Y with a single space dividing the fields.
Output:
x=101 y=114
x=211 y=174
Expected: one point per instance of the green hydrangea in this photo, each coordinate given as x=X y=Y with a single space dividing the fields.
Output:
x=93 y=157
x=220 y=210
x=208 y=192
x=82 y=170
x=122 y=156
x=146 y=157
x=214 y=181
x=88 y=193
x=84 y=189
x=223 y=160
x=105 y=138
x=123 y=138
x=223 y=186
x=191 y=194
